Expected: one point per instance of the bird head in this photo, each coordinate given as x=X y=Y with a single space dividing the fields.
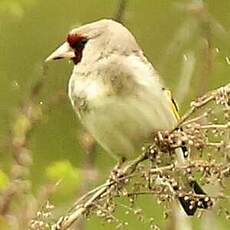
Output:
x=95 y=40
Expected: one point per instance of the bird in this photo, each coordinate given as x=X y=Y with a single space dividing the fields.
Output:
x=116 y=92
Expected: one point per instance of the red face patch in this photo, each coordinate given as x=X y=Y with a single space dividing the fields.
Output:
x=76 y=40
x=77 y=43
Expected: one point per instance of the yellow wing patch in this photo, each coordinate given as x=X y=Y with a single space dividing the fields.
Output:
x=174 y=106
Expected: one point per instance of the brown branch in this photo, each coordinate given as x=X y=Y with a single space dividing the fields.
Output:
x=201 y=102
x=65 y=222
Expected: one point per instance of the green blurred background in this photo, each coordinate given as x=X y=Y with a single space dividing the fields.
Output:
x=187 y=42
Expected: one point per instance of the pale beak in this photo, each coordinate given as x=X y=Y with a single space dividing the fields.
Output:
x=64 y=51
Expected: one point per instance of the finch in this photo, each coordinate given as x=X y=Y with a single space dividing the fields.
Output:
x=115 y=91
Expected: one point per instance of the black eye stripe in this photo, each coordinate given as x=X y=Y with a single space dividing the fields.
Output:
x=80 y=44
x=77 y=43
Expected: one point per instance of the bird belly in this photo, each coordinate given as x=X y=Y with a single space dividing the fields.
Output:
x=122 y=124
x=121 y=106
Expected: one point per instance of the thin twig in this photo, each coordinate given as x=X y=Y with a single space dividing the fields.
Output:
x=65 y=222
x=198 y=104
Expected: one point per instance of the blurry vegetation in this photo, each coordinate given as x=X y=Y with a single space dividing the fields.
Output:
x=3 y=180
x=14 y=8
x=42 y=156
x=68 y=178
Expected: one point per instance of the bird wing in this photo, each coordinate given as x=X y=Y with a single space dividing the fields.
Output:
x=182 y=154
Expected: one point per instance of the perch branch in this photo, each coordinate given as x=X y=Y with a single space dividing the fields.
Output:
x=121 y=174
x=66 y=221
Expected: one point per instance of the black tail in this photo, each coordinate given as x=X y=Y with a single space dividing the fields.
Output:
x=190 y=204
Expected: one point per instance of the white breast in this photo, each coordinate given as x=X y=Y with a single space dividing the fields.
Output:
x=120 y=123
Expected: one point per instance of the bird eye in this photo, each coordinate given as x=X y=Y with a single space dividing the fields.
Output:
x=81 y=43
x=76 y=41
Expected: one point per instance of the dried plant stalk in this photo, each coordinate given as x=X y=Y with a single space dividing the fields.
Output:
x=204 y=129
